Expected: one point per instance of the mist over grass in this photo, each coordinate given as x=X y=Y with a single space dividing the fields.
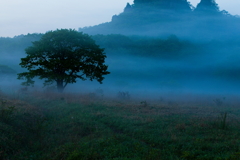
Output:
x=146 y=66
x=46 y=125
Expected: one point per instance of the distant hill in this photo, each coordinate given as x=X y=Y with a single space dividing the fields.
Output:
x=167 y=17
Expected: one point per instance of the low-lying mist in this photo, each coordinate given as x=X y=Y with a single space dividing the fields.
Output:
x=147 y=67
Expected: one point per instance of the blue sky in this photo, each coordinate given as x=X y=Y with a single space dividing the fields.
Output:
x=38 y=16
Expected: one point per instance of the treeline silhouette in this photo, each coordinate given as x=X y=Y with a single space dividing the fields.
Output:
x=9 y=46
x=169 y=47
x=166 y=17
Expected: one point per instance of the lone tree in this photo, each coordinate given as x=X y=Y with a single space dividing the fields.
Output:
x=62 y=56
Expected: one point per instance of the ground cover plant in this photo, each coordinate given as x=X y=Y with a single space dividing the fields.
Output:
x=43 y=126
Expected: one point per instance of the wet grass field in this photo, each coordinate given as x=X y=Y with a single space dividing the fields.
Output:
x=52 y=126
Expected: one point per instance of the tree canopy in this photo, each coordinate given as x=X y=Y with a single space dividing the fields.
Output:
x=62 y=56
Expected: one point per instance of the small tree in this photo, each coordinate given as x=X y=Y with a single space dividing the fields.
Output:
x=62 y=56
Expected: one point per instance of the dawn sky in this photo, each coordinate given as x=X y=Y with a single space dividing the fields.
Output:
x=38 y=16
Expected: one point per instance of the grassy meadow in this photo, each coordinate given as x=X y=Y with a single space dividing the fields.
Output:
x=52 y=126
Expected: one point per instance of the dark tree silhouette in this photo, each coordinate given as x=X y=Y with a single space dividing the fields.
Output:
x=62 y=56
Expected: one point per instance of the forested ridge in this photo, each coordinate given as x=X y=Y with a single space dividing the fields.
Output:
x=166 y=17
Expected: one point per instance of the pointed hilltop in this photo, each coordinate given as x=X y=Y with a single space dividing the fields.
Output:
x=209 y=7
x=177 y=5
x=165 y=17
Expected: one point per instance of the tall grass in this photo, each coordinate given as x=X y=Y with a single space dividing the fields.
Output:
x=77 y=126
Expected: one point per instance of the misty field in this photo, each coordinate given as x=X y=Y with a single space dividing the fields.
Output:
x=52 y=126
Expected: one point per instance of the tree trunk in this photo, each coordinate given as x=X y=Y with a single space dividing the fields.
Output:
x=60 y=86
